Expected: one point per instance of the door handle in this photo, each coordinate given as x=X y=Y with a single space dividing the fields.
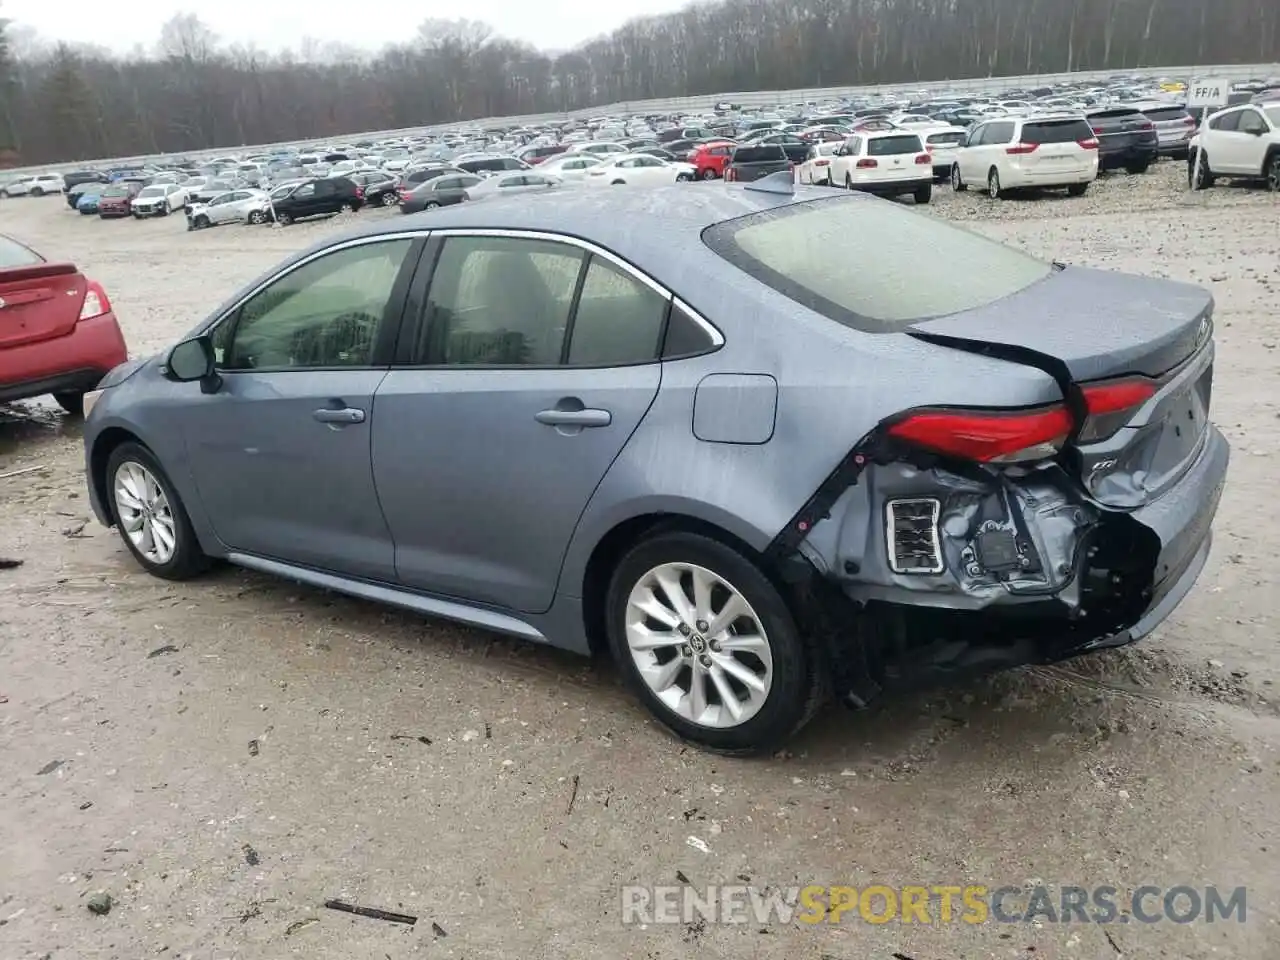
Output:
x=340 y=416
x=574 y=418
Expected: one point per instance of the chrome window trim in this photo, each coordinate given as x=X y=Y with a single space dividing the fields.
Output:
x=709 y=328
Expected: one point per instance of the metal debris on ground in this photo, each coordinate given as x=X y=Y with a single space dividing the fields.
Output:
x=8 y=564
x=409 y=736
x=22 y=472
x=254 y=748
x=372 y=913
x=437 y=929
x=251 y=856
x=99 y=903
x=161 y=651
x=298 y=925
x=49 y=767
x=573 y=796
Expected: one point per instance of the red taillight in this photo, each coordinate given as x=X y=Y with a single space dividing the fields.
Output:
x=1146 y=125
x=1111 y=405
x=988 y=436
x=1090 y=144
x=95 y=302
x=1020 y=148
x=1096 y=131
x=866 y=163
x=821 y=163
x=359 y=193
x=923 y=158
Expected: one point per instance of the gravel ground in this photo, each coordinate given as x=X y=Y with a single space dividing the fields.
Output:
x=223 y=756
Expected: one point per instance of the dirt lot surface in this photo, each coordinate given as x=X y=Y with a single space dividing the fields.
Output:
x=503 y=793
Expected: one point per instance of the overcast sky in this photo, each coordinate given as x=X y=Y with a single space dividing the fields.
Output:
x=548 y=24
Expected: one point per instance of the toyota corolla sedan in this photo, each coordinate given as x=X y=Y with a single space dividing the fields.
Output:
x=659 y=424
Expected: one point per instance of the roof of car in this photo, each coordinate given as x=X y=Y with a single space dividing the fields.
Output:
x=615 y=219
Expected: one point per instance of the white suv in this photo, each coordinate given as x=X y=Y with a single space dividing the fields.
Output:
x=1241 y=141
x=1016 y=152
x=36 y=186
x=890 y=163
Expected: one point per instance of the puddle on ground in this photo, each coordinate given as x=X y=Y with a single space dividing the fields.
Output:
x=30 y=421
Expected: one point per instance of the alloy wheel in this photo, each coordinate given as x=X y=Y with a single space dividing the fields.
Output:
x=1273 y=175
x=146 y=517
x=698 y=645
x=993 y=185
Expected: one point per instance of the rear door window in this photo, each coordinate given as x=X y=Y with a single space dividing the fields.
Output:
x=1228 y=121
x=1160 y=114
x=788 y=249
x=997 y=132
x=942 y=139
x=891 y=146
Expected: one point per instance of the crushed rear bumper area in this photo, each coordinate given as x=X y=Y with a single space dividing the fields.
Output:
x=919 y=576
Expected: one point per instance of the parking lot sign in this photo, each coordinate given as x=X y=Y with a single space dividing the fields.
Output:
x=1208 y=93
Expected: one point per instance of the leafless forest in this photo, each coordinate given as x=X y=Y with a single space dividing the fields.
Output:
x=190 y=91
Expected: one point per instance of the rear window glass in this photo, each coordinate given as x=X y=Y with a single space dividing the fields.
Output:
x=1165 y=113
x=761 y=154
x=14 y=254
x=1056 y=131
x=1116 y=113
x=957 y=137
x=1273 y=114
x=788 y=249
x=888 y=146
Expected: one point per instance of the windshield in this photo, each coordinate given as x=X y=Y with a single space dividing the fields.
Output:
x=116 y=191
x=784 y=249
x=152 y=192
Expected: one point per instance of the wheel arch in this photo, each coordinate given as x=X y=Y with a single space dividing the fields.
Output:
x=104 y=444
x=1273 y=152
x=624 y=535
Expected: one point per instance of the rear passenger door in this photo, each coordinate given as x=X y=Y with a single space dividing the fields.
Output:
x=532 y=362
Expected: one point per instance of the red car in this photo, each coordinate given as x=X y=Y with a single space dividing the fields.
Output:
x=711 y=158
x=117 y=199
x=58 y=334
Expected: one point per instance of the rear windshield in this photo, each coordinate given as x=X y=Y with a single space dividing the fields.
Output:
x=14 y=254
x=1056 y=131
x=1273 y=113
x=956 y=137
x=788 y=249
x=1165 y=113
x=1115 y=113
x=888 y=146
x=765 y=153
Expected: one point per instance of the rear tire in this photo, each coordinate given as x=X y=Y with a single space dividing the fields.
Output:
x=994 y=190
x=1077 y=189
x=388 y=199
x=783 y=668
x=430 y=205
x=164 y=510
x=37 y=192
x=284 y=219
x=1136 y=168
x=72 y=403
x=708 y=174
x=1273 y=173
x=924 y=194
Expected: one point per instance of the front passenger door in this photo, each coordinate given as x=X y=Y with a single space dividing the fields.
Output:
x=533 y=364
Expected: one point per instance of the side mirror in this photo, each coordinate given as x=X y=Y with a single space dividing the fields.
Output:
x=193 y=360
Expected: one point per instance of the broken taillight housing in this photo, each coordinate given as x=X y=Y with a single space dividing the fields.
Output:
x=1112 y=404
x=988 y=436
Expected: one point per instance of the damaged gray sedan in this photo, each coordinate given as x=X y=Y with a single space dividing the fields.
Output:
x=759 y=463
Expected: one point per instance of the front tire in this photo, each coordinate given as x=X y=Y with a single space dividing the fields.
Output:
x=200 y=222
x=256 y=217
x=37 y=192
x=1077 y=189
x=709 y=645
x=1205 y=179
x=708 y=174
x=150 y=516
x=957 y=182
x=1273 y=174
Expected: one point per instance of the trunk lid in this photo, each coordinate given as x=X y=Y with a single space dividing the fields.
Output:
x=1084 y=326
x=39 y=302
x=1096 y=323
